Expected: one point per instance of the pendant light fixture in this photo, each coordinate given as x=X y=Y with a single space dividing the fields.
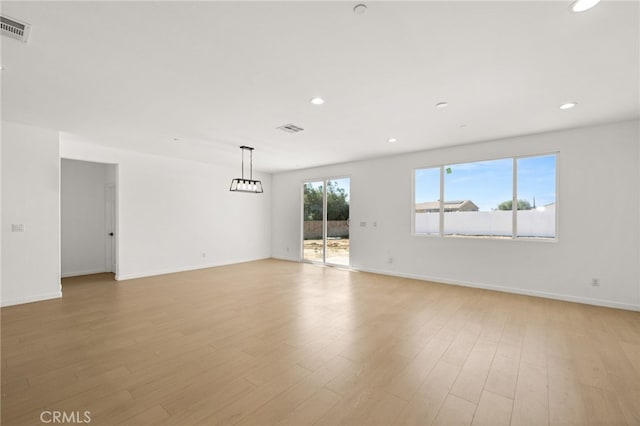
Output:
x=246 y=185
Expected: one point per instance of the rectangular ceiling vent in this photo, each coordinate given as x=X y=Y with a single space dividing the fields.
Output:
x=290 y=128
x=15 y=29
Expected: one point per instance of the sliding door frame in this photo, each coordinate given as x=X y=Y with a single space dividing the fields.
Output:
x=324 y=220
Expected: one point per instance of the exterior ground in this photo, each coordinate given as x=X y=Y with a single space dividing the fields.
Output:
x=337 y=251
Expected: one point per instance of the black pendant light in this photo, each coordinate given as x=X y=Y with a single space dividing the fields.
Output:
x=246 y=185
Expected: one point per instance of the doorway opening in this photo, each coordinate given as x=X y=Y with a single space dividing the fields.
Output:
x=325 y=221
x=88 y=218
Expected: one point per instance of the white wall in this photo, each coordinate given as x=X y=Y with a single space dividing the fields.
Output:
x=83 y=218
x=30 y=196
x=171 y=212
x=598 y=175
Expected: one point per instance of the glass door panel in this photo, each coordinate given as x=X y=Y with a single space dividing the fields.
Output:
x=313 y=222
x=337 y=244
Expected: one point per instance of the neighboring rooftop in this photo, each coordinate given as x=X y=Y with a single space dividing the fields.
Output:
x=449 y=206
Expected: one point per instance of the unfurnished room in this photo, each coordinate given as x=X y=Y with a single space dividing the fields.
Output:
x=320 y=213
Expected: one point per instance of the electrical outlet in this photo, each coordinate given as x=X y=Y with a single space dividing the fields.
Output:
x=390 y=259
x=204 y=255
x=595 y=282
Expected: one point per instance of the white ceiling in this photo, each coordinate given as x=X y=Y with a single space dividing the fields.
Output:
x=217 y=75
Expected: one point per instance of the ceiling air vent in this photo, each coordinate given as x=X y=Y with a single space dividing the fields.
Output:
x=14 y=29
x=290 y=128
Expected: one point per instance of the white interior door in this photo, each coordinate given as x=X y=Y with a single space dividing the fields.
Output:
x=110 y=227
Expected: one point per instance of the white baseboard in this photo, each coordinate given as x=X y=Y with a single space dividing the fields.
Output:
x=526 y=292
x=30 y=299
x=289 y=259
x=123 y=277
x=79 y=273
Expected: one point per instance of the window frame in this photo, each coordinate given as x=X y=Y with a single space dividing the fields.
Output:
x=514 y=218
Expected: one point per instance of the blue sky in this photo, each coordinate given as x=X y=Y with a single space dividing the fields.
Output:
x=488 y=183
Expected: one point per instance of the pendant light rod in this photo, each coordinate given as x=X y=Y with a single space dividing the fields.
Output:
x=250 y=149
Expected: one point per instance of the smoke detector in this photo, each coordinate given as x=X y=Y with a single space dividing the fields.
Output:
x=14 y=29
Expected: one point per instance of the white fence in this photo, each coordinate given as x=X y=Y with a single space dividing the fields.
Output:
x=531 y=223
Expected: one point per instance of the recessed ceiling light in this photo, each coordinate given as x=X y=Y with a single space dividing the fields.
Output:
x=442 y=105
x=360 y=9
x=568 y=105
x=392 y=140
x=463 y=125
x=317 y=101
x=176 y=139
x=582 y=5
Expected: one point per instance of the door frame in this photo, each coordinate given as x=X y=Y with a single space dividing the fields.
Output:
x=116 y=214
x=324 y=220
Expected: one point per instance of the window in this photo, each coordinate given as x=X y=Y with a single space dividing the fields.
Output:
x=536 y=183
x=476 y=199
x=427 y=198
x=472 y=193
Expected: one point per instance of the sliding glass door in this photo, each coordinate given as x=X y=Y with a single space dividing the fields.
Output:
x=337 y=221
x=313 y=223
x=326 y=221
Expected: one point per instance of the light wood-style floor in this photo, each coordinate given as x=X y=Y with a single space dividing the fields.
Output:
x=274 y=342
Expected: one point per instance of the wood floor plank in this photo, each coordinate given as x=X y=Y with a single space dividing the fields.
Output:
x=493 y=410
x=247 y=404
x=502 y=377
x=566 y=406
x=193 y=410
x=473 y=375
x=311 y=410
x=151 y=416
x=280 y=406
x=363 y=406
x=455 y=411
x=424 y=406
x=531 y=402
x=407 y=382
x=275 y=342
